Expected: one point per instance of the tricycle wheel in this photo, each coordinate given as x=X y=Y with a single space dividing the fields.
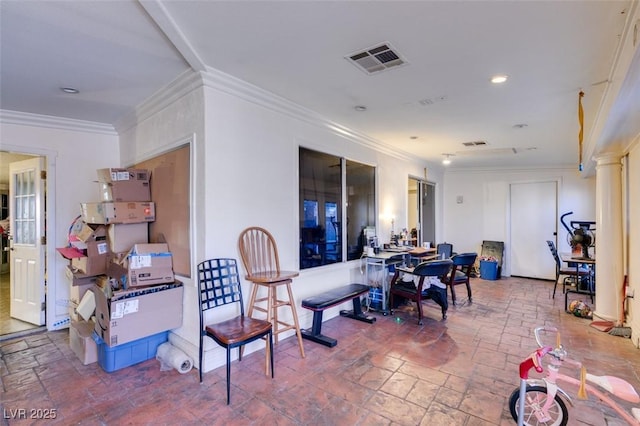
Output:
x=535 y=399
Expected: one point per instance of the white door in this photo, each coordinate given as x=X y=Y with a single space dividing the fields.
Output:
x=27 y=232
x=533 y=222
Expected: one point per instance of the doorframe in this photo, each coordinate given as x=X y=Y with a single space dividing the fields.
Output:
x=558 y=182
x=420 y=181
x=50 y=226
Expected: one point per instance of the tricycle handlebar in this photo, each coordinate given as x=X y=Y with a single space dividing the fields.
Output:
x=537 y=331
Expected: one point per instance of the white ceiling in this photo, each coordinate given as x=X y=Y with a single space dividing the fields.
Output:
x=118 y=53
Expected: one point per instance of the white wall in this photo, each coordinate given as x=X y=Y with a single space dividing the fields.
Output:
x=484 y=213
x=246 y=174
x=74 y=151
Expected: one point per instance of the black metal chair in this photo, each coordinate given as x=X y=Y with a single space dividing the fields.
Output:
x=408 y=290
x=220 y=285
x=461 y=273
x=571 y=272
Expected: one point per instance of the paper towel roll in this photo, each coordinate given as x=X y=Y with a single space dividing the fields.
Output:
x=172 y=357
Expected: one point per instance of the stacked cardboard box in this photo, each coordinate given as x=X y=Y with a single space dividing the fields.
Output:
x=111 y=257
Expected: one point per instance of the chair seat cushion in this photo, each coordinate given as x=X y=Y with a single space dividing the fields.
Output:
x=238 y=329
x=460 y=277
x=572 y=271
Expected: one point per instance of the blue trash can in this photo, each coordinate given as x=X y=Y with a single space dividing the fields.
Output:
x=488 y=270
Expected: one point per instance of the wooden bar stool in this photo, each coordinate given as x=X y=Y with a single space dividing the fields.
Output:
x=259 y=255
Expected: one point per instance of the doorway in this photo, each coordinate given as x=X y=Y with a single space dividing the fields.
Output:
x=421 y=211
x=8 y=324
x=532 y=227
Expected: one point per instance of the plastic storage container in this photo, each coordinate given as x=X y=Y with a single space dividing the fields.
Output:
x=127 y=354
x=488 y=270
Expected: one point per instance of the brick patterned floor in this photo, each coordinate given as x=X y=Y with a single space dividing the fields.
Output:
x=394 y=372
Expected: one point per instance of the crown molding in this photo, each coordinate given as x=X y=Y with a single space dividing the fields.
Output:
x=51 y=122
x=185 y=83
x=508 y=169
x=226 y=83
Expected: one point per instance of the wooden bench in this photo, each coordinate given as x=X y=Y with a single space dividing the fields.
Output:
x=333 y=297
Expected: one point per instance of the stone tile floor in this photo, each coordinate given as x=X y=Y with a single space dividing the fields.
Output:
x=394 y=372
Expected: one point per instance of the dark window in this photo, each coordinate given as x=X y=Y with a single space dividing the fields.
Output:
x=330 y=187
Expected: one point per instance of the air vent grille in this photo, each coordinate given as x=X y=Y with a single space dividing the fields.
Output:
x=378 y=58
x=474 y=143
x=487 y=152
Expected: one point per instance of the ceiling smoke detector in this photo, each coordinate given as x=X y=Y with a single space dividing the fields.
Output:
x=377 y=58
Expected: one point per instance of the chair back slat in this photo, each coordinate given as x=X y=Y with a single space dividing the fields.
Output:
x=258 y=251
x=219 y=284
x=556 y=257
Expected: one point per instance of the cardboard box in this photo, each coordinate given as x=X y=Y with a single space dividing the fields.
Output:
x=117 y=272
x=120 y=184
x=123 y=236
x=81 y=341
x=112 y=175
x=88 y=233
x=76 y=293
x=126 y=190
x=94 y=262
x=137 y=313
x=78 y=279
x=118 y=212
x=149 y=264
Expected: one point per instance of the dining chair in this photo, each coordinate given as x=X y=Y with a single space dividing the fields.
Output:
x=435 y=290
x=444 y=250
x=461 y=272
x=572 y=272
x=259 y=254
x=220 y=285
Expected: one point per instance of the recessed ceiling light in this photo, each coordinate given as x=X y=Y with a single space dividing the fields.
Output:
x=497 y=79
x=413 y=137
x=360 y=108
x=69 y=90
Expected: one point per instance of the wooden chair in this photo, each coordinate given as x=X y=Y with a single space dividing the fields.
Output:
x=461 y=273
x=408 y=290
x=570 y=272
x=219 y=284
x=259 y=254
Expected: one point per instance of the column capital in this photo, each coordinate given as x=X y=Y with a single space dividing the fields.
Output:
x=608 y=159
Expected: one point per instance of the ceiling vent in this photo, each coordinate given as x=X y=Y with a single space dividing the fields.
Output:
x=475 y=143
x=375 y=59
x=485 y=152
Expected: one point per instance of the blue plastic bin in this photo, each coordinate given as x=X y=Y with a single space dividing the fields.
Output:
x=121 y=356
x=375 y=298
x=488 y=270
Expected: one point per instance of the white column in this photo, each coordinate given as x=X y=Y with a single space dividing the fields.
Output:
x=609 y=248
